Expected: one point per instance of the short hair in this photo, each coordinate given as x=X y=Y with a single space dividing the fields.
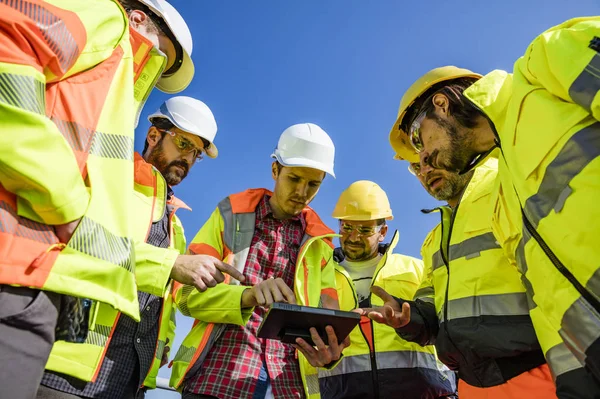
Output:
x=459 y=106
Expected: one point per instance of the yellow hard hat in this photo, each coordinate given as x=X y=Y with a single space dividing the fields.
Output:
x=363 y=200
x=398 y=138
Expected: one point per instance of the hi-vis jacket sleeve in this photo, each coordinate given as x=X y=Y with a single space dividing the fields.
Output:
x=423 y=326
x=38 y=45
x=220 y=304
x=153 y=267
x=329 y=296
x=565 y=61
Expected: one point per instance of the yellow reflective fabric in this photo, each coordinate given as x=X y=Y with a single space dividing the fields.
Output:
x=546 y=116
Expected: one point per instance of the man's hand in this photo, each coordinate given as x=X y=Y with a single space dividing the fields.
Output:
x=322 y=355
x=64 y=232
x=165 y=355
x=202 y=271
x=390 y=313
x=267 y=292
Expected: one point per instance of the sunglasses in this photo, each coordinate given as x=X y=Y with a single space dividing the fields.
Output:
x=363 y=231
x=184 y=145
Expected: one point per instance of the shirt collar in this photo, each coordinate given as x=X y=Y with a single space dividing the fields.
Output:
x=264 y=210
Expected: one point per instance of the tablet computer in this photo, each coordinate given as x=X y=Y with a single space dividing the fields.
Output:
x=286 y=322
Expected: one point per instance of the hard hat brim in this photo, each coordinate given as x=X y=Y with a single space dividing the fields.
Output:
x=181 y=79
x=303 y=163
x=399 y=138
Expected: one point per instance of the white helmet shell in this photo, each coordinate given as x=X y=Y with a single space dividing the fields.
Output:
x=306 y=145
x=192 y=116
x=181 y=79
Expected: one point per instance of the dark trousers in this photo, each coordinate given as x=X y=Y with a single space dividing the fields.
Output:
x=27 y=324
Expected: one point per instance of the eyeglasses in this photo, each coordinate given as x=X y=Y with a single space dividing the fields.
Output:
x=364 y=231
x=414 y=133
x=414 y=168
x=184 y=145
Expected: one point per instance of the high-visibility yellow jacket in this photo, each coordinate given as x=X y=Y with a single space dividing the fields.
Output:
x=472 y=303
x=546 y=118
x=74 y=77
x=227 y=235
x=83 y=360
x=378 y=363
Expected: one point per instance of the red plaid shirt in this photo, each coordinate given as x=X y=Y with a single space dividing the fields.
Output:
x=233 y=364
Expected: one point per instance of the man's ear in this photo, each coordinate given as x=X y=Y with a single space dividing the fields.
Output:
x=137 y=18
x=383 y=232
x=441 y=103
x=274 y=171
x=153 y=137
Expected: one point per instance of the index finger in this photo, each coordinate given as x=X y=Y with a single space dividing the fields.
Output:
x=287 y=292
x=381 y=293
x=232 y=271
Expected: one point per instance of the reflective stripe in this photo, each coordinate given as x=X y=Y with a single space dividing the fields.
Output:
x=580 y=327
x=112 y=146
x=76 y=135
x=514 y=304
x=23 y=92
x=385 y=360
x=581 y=149
x=312 y=384
x=159 y=349
x=186 y=290
x=469 y=249
x=586 y=86
x=424 y=293
x=227 y=215
x=561 y=360
x=12 y=223
x=99 y=335
x=93 y=239
x=53 y=30
x=184 y=354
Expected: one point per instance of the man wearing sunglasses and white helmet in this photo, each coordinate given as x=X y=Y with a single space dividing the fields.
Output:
x=75 y=75
x=121 y=358
x=285 y=252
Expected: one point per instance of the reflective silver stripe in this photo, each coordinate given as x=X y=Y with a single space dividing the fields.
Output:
x=184 y=354
x=93 y=239
x=561 y=360
x=581 y=149
x=186 y=290
x=99 y=335
x=385 y=360
x=580 y=327
x=469 y=249
x=586 y=86
x=159 y=349
x=53 y=30
x=427 y=300
x=227 y=215
x=514 y=304
x=76 y=135
x=424 y=293
x=23 y=92
x=312 y=384
x=12 y=223
x=113 y=146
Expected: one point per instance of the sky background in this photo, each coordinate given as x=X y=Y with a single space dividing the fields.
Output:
x=264 y=65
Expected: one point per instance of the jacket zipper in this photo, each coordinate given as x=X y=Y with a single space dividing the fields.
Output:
x=559 y=265
x=538 y=238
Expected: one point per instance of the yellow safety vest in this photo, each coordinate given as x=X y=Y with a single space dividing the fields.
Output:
x=378 y=363
x=227 y=235
x=84 y=360
x=76 y=89
x=546 y=118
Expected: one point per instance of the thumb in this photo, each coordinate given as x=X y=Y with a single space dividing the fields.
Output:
x=381 y=293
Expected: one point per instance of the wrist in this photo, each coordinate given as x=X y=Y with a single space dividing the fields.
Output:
x=247 y=300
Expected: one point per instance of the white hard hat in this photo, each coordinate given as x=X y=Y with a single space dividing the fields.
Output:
x=192 y=116
x=305 y=145
x=181 y=33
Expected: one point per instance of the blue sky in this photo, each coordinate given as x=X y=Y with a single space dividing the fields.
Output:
x=264 y=65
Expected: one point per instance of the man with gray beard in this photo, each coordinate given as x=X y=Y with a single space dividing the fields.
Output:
x=479 y=321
